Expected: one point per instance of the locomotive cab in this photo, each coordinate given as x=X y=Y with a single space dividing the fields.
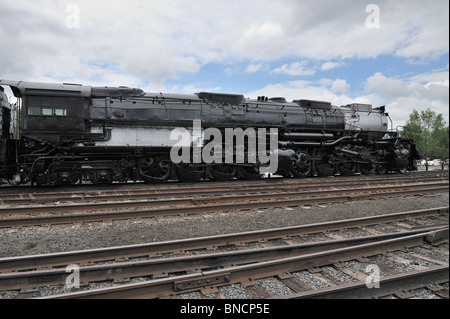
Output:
x=43 y=119
x=51 y=112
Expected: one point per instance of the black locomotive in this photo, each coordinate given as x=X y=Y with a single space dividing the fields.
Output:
x=59 y=134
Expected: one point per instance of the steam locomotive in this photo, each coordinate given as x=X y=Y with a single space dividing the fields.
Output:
x=57 y=134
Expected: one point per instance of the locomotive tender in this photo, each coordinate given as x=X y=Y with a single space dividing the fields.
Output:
x=58 y=134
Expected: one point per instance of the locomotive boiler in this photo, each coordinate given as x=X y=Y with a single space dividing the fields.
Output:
x=56 y=134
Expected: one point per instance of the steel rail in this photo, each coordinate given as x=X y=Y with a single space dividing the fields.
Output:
x=205 y=200
x=192 y=282
x=110 y=188
x=191 y=191
x=80 y=257
x=389 y=285
x=214 y=191
x=163 y=267
x=198 y=205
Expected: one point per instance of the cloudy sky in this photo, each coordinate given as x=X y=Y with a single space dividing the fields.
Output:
x=393 y=53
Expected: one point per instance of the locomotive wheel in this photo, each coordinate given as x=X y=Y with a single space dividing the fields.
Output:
x=64 y=174
x=325 y=168
x=301 y=166
x=188 y=173
x=249 y=172
x=223 y=172
x=347 y=169
x=402 y=170
x=154 y=170
x=382 y=169
x=367 y=169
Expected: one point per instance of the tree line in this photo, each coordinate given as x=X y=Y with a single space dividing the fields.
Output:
x=430 y=132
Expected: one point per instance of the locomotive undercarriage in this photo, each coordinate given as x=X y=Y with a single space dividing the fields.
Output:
x=67 y=166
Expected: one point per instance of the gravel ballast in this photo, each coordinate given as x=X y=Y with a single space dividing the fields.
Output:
x=59 y=238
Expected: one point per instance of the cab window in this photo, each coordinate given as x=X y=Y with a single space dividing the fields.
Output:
x=47 y=111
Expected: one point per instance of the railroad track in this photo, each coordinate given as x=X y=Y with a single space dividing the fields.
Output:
x=71 y=213
x=397 y=285
x=210 y=265
x=212 y=189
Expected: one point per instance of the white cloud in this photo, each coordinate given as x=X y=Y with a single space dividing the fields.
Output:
x=296 y=68
x=331 y=65
x=415 y=92
x=395 y=88
x=140 y=41
x=263 y=40
x=427 y=29
x=191 y=88
x=386 y=86
x=262 y=33
x=433 y=76
x=255 y=67
x=295 y=90
x=340 y=85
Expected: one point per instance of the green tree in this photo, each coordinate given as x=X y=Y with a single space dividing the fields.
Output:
x=430 y=133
